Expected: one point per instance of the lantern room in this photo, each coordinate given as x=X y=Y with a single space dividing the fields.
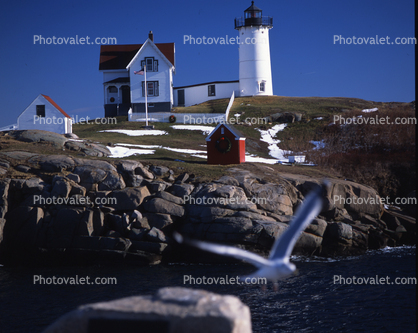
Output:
x=252 y=15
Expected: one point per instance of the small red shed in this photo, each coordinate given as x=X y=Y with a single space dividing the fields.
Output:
x=225 y=145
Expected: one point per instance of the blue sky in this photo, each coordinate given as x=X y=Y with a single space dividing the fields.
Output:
x=305 y=60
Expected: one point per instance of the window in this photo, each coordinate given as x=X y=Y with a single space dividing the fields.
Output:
x=252 y=14
x=152 y=88
x=152 y=64
x=40 y=110
x=112 y=89
x=211 y=90
x=262 y=86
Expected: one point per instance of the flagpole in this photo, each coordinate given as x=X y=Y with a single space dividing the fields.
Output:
x=146 y=94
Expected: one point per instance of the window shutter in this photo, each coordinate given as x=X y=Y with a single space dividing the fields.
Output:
x=155 y=65
x=143 y=89
x=157 y=88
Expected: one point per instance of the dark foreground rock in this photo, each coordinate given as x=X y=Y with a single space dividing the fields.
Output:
x=175 y=310
x=80 y=209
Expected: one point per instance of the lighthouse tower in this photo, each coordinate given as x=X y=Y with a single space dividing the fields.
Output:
x=254 y=52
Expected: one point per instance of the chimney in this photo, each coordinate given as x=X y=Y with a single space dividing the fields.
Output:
x=151 y=36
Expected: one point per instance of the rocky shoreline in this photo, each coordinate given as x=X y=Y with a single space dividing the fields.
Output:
x=75 y=210
x=82 y=209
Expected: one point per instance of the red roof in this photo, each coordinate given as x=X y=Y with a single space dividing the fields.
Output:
x=119 y=56
x=234 y=131
x=49 y=99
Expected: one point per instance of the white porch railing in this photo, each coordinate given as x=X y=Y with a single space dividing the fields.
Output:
x=231 y=101
x=180 y=118
x=184 y=118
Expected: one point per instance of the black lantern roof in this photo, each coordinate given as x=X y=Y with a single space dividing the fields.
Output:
x=253 y=17
x=253 y=8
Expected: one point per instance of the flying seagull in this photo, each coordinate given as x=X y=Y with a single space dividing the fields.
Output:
x=277 y=266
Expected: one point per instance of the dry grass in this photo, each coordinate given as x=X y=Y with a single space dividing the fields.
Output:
x=382 y=156
x=213 y=106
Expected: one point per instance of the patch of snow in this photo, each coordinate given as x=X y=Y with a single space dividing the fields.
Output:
x=257 y=159
x=205 y=129
x=139 y=146
x=137 y=132
x=236 y=115
x=200 y=156
x=369 y=110
x=119 y=152
x=146 y=151
x=185 y=151
x=268 y=136
x=319 y=118
x=318 y=144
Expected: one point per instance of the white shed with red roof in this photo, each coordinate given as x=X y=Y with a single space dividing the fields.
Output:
x=44 y=114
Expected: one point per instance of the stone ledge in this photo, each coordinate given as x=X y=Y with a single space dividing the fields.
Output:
x=174 y=310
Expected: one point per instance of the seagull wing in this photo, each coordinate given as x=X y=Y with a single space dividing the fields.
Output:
x=230 y=251
x=311 y=207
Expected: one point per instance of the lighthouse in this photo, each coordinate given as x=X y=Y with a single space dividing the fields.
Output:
x=254 y=53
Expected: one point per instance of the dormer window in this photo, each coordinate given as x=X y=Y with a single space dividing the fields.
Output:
x=151 y=63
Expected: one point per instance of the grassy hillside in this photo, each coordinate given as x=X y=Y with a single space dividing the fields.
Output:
x=247 y=107
x=380 y=156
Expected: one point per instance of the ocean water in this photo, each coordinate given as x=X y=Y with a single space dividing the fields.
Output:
x=308 y=302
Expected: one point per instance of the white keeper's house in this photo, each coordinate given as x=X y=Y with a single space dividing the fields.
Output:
x=124 y=88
